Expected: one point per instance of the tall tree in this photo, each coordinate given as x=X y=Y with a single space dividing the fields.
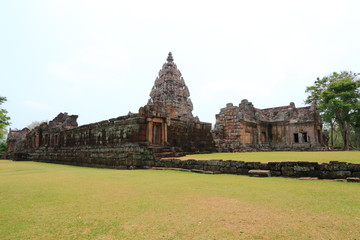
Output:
x=355 y=123
x=338 y=98
x=4 y=119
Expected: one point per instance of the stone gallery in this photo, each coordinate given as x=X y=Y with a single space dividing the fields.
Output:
x=166 y=127
x=245 y=127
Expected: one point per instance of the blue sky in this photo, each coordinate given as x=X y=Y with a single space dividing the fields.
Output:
x=99 y=59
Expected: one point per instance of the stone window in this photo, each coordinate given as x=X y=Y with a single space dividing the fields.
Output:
x=296 y=137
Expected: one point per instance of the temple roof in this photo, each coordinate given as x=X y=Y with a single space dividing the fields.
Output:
x=170 y=92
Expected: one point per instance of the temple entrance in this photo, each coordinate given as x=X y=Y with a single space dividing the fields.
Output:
x=156 y=131
x=157 y=134
x=263 y=137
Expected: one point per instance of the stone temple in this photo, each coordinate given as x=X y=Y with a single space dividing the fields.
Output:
x=170 y=93
x=166 y=127
x=244 y=127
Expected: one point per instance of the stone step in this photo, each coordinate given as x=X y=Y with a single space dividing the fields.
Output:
x=353 y=179
x=186 y=170
x=259 y=173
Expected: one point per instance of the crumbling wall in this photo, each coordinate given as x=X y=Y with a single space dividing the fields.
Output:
x=124 y=156
x=105 y=133
x=190 y=136
x=14 y=138
x=118 y=142
x=246 y=128
x=123 y=142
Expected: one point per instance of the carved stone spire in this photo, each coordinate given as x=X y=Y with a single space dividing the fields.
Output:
x=170 y=94
x=170 y=57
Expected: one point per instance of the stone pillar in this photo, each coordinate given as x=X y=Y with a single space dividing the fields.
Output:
x=165 y=132
x=149 y=130
x=258 y=128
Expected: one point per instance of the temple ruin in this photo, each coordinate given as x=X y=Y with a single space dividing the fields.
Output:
x=246 y=128
x=166 y=127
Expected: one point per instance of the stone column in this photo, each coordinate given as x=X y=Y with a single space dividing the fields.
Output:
x=149 y=130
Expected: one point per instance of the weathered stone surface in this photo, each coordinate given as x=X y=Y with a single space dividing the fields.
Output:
x=170 y=93
x=285 y=169
x=333 y=174
x=334 y=166
x=15 y=139
x=308 y=178
x=246 y=128
x=353 y=179
x=259 y=173
x=354 y=167
x=163 y=128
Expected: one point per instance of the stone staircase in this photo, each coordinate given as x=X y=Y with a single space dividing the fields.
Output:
x=165 y=151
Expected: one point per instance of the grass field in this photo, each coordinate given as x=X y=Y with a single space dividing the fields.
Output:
x=49 y=201
x=322 y=157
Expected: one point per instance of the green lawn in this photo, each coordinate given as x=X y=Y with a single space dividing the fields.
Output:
x=49 y=201
x=321 y=157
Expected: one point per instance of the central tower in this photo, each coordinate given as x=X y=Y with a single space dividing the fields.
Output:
x=170 y=93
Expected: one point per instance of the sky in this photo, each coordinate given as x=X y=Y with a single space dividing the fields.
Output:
x=99 y=59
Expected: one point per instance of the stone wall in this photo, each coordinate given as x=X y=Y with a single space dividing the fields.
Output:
x=14 y=137
x=246 y=128
x=125 y=156
x=133 y=156
x=190 y=136
x=115 y=143
x=332 y=170
x=124 y=142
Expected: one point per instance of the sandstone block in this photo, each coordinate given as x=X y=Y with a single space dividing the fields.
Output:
x=287 y=171
x=259 y=173
x=353 y=179
x=335 y=174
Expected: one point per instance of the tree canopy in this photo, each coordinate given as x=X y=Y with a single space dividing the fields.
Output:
x=337 y=97
x=4 y=119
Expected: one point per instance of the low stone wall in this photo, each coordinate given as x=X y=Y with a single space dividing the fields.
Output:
x=332 y=170
x=125 y=156
x=134 y=156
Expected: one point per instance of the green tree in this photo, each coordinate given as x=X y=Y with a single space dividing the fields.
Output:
x=337 y=97
x=4 y=119
x=355 y=123
x=2 y=147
